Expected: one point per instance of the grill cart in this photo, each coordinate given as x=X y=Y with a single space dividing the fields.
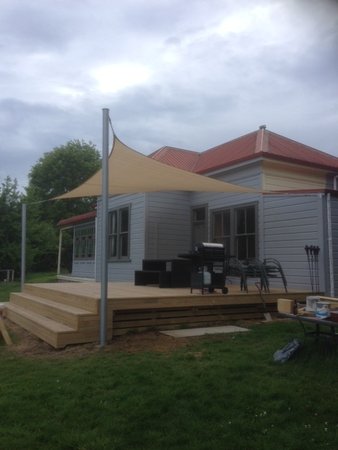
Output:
x=208 y=267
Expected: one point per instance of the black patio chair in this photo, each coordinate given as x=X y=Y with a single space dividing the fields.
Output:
x=273 y=269
x=249 y=268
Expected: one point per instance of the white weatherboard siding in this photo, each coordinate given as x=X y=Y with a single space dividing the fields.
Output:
x=167 y=224
x=245 y=176
x=124 y=270
x=290 y=223
x=334 y=217
x=83 y=268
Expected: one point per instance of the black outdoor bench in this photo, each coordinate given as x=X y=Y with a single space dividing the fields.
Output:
x=164 y=273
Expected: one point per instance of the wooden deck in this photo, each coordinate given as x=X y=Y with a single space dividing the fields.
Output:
x=68 y=313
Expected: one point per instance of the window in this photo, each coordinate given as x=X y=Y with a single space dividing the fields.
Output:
x=118 y=233
x=222 y=228
x=235 y=228
x=84 y=242
x=245 y=237
x=199 y=225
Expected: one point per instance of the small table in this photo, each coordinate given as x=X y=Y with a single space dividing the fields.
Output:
x=318 y=323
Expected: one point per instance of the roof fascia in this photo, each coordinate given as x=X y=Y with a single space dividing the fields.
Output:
x=245 y=162
x=264 y=155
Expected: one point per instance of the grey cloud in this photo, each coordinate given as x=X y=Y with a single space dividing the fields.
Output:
x=27 y=131
x=35 y=26
x=216 y=88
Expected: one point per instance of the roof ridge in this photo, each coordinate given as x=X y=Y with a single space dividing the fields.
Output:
x=158 y=151
x=228 y=142
x=167 y=148
x=262 y=140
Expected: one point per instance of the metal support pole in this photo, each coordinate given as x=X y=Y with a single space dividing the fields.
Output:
x=104 y=227
x=23 y=243
x=58 y=272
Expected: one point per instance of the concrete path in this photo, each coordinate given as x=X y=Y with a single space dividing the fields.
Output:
x=202 y=331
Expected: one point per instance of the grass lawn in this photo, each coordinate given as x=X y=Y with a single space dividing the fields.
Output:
x=15 y=286
x=220 y=392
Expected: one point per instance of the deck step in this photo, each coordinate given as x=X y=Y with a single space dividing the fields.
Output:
x=66 y=314
x=69 y=297
x=46 y=329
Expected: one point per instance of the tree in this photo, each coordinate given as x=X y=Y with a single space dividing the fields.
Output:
x=55 y=173
x=59 y=171
x=10 y=224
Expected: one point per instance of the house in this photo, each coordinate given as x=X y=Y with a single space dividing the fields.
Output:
x=296 y=205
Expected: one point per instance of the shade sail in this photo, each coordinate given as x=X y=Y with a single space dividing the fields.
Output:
x=132 y=172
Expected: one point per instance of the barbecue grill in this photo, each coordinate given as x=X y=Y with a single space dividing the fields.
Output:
x=208 y=268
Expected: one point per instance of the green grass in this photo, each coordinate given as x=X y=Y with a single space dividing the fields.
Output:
x=15 y=286
x=223 y=392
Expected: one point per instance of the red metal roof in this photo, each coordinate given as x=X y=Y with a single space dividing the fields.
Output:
x=231 y=152
x=74 y=220
x=176 y=157
x=260 y=143
x=283 y=147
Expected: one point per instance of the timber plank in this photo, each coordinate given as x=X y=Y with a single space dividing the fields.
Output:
x=42 y=327
x=4 y=332
x=121 y=331
x=65 y=295
x=185 y=320
x=67 y=314
x=187 y=312
x=187 y=301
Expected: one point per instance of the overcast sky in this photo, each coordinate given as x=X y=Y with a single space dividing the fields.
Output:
x=190 y=74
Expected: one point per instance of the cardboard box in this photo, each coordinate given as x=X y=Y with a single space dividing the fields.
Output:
x=286 y=305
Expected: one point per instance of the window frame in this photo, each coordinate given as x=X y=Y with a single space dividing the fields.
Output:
x=120 y=237
x=84 y=239
x=232 y=239
x=246 y=235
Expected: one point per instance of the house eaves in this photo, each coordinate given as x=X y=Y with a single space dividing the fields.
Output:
x=75 y=220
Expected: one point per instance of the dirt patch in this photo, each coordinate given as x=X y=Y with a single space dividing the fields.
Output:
x=26 y=344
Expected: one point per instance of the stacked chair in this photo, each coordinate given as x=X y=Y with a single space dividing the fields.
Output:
x=265 y=270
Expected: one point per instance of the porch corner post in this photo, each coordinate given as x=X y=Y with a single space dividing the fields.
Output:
x=58 y=271
x=23 y=243
x=104 y=227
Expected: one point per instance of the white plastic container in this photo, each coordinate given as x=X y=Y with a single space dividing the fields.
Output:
x=323 y=310
x=311 y=303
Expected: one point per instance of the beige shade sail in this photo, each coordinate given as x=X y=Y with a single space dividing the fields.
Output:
x=132 y=172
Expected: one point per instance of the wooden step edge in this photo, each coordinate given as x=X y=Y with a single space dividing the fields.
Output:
x=73 y=317
x=45 y=322
x=54 y=333
x=37 y=329
x=50 y=311
x=77 y=300
x=51 y=303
